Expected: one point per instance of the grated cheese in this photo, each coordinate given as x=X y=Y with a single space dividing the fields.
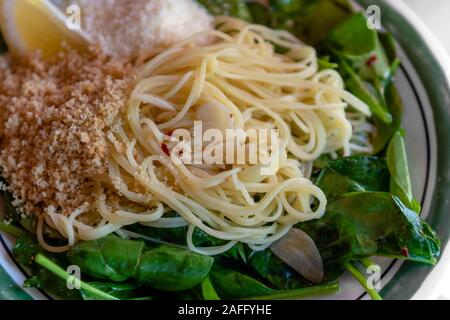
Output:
x=135 y=29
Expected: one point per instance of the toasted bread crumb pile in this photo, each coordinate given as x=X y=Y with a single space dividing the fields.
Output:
x=54 y=118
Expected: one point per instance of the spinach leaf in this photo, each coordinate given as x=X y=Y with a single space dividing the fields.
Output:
x=363 y=50
x=268 y=266
x=12 y=229
x=201 y=239
x=274 y=271
x=322 y=161
x=48 y=282
x=25 y=251
x=238 y=251
x=163 y=267
x=398 y=167
x=27 y=222
x=170 y=235
x=352 y=37
x=352 y=174
x=178 y=236
x=260 y=14
x=108 y=258
x=231 y=284
x=358 y=225
x=233 y=8
x=307 y=292
x=172 y=269
x=120 y=290
x=364 y=63
x=208 y=291
x=288 y=7
x=364 y=91
x=191 y=294
x=325 y=63
x=323 y=16
x=311 y=20
x=10 y=212
x=388 y=42
x=385 y=132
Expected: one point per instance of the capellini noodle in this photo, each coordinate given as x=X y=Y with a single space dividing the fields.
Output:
x=237 y=82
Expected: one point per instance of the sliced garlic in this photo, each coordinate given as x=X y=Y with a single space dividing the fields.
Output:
x=215 y=116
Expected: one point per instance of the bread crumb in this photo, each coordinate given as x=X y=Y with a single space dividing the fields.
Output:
x=54 y=118
x=84 y=137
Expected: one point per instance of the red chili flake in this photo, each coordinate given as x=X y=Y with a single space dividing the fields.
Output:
x=170 y=133
x=371 y=60
x=405 y=252
x=165 y=149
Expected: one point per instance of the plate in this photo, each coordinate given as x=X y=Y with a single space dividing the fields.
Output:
x=424 y=84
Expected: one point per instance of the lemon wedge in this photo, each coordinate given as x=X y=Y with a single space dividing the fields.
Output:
x=37 y=25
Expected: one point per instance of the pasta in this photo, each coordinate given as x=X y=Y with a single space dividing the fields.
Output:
x=238 y=82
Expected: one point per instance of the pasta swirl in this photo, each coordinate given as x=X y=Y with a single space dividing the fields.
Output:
x=238 y=82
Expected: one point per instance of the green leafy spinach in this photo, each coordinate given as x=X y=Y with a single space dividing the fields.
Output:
x=162 y=267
